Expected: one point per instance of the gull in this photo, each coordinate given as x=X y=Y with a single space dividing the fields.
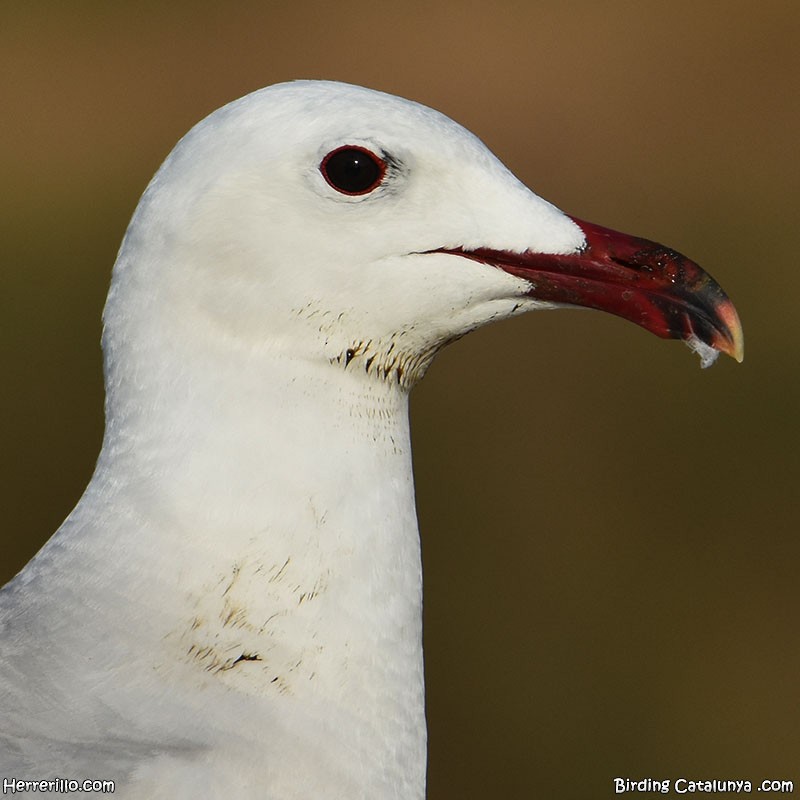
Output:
x=233 y=608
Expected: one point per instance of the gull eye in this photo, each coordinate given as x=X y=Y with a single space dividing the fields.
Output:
x=353 y=170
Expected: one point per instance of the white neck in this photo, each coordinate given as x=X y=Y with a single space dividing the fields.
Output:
x=265 y=507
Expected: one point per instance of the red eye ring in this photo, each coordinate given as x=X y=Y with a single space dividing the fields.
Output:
x=353 y=170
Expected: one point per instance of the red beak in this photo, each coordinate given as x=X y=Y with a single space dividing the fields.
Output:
x=644 y=282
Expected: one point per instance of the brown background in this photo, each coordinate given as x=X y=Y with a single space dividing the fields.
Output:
x=610 y=535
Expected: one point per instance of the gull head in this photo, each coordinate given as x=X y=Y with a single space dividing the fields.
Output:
x=329 y=223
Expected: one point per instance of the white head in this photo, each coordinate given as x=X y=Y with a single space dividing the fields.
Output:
x=241 y=236
x=244 y=240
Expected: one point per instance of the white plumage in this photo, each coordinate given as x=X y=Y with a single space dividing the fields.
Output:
x=233 y=609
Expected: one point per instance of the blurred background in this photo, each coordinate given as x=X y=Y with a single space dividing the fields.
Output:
x=610 y=534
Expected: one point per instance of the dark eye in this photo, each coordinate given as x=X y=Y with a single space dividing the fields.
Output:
x=352 y=169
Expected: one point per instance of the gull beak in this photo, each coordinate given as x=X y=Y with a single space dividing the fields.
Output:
x=644 y=282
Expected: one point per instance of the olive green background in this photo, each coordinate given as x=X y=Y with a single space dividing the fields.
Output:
x=610 y=534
